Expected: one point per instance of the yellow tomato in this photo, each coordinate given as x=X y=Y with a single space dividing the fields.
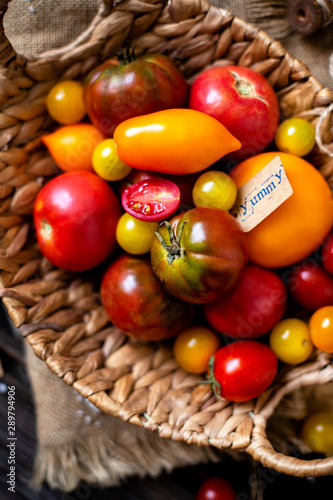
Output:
x=65 y=102
x=135 y=236
x=107 y=163
x=317 y=432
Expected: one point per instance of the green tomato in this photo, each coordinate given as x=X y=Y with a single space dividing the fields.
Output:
x=317 y=432
x=214 y=189
x=135 y=236
x=290 y=340
x=295 y=136
x=107 y=163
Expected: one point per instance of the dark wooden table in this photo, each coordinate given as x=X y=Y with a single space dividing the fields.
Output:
x=182 y=484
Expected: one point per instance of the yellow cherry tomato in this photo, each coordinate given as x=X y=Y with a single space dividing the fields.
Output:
x=317 y=432
x=321 y=328
x=296 y=136
x=107 y=163
x=65 y=102
x=135 y=236
x=290 y=340
x=214 y=189
x=194 y=347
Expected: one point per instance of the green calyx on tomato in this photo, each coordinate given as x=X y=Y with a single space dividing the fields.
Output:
x=174 y=250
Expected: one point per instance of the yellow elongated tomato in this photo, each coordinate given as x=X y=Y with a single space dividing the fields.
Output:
x=173 y=141
x=300 y=224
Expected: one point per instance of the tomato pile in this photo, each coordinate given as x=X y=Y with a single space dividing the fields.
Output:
x=150 y=170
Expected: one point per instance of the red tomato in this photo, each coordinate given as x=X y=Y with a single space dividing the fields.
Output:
x=173 y=141
x=75 y=216
x=253 y=306
x=118 y=90
x=327 y=254
x=137 y=303
x=241 y=99
x=242 y=370
x=152 y=200
x=200 y=255
x=216 y=488
x=310 y=285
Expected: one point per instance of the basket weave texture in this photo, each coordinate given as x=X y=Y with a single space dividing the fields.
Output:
x=60 y=313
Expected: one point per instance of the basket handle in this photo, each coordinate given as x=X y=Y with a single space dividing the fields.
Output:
x=6 y=50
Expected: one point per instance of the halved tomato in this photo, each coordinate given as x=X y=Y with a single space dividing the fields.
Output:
x=152 y=199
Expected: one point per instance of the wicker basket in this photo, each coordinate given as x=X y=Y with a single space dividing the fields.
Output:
x=60 y=312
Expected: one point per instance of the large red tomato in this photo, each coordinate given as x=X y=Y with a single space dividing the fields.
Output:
x=243 y=101
x=252 y=307
x=75 y=216
x=117 y=90
x=200 y=255
x=137 y=303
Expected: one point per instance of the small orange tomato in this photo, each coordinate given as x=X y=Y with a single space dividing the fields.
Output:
x=194 y=347
x=72 y=146
x=300 y=224
x=321 y=328
x=173 y=141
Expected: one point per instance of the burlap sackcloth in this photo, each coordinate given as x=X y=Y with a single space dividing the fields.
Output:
x=75 y=440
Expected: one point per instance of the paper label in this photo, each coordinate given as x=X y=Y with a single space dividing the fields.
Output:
x=261 y=195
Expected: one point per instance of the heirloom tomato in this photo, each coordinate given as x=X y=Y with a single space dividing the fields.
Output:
x=243 y=101
x=200 y=255
x=75 y=216
x=242 y=370
x=321 y=329
x=173 y=141
x=65 y=102
x=290 y=340
x=151 y=200
x=72 y=146
x=327 y=254
x=310 y=285
x=300 y=224
x=194 y=347
x=252 y=307
x=216 y=488
x=118 y=90
x=137 y=303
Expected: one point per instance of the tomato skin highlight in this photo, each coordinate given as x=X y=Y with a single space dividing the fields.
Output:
x=151 y=200
x=173 y=141
x=243 y=369
x=75 y=218
x=216 y=488
x=137 y=303
x=211 y=255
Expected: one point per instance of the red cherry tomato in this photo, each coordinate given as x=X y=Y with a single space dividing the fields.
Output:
x=242 y=370
x=327 y=254
x=75 y=216
x=216 y=488
x=252 y=307
x=310 y=285
x=151 y=200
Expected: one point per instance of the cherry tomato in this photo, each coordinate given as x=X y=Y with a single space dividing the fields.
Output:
x=75 y=216
x=317 y=432
x=200 y=255
x=135 y=236
x=65 y=102
x=214 y=189
x=252 y=307
x=321 y=328
x=107 y=163
x=290 y=340
x=242 y=370
x=216 y=488
x=72 y=146
x=120 y=89
x=296 y=136
x=194 y=347
x=137 y=303
x=279 y=240
x=173 y=141
x=310 y=285
x=327 y=254
x=151 y=199
x=241 y=99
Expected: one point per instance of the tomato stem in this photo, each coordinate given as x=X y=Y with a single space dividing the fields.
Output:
x=174 y=249
x=216 y=386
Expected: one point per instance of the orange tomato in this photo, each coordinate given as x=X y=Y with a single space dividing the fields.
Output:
x=72 y=146
x=173 y=141
x=321 y=328
x=300 y=224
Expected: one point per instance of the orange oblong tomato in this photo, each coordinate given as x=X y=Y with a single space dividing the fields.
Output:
x=300 y=224
x=173 y=141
